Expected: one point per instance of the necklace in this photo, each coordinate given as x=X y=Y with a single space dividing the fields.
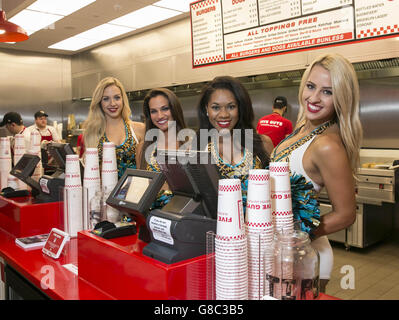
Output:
x=288 y=150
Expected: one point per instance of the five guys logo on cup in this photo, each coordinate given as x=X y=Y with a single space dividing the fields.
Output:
x=230 y=221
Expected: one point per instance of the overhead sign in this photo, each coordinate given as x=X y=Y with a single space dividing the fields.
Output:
x=229 y=30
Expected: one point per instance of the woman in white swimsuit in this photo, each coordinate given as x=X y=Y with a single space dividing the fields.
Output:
x=323 y=151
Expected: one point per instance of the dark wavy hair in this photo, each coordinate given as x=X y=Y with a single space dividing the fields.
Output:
x=175 y=109
x=245 y=112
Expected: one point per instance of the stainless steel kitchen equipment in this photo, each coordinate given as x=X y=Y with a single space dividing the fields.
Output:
x=377 y=194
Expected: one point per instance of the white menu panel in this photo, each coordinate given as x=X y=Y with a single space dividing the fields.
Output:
x=375 y=18
x=239 y=14
x=228 y=30
x=313 y=6
x=276 y=10
x=315 y=30
x=207 y=33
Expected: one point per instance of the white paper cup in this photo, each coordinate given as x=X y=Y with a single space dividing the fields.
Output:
x=231 y=268
x=72 y=171
x=35 y=140
x=73 y=217
x=258 y=198
x=19 y=147
x=109 y=171
x=5 y=150
x=92 y=168
x=230 y=218
x=280 y=177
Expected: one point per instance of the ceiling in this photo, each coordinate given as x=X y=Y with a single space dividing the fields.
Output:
x=97 y=13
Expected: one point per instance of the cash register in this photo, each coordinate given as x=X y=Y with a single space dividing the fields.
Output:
x=177 y=230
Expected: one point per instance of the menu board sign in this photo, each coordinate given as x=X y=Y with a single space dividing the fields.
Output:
x=228 y=30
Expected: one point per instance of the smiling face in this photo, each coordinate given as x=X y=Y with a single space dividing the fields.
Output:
x=160 y=112
x=317 y=96
x=222 y=109
x=111 y=102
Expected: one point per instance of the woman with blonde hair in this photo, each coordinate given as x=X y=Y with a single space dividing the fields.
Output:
x=108 y=121
x=323 y=151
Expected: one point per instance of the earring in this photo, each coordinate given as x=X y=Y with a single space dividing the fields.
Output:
x=207 y=114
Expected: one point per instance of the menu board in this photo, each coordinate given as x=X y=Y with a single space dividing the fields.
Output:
x=229 y=30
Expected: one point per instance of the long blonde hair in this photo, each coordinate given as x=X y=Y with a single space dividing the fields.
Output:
x=95 y=124
x=345 y=88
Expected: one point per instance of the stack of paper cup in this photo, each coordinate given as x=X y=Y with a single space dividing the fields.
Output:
x=5 y=161
x=35 y=141
x=259 y=225
x=281 y=196
x=19 y=151
x=73 y=217
x=109 y=176
x=35 y=149
x=91 y=182
x=231 y=254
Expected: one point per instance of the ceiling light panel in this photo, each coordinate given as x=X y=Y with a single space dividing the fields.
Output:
x=33 y=21
x=61 y=7
x=90 y=37
x=104 y=32
x=73 y=44
x=144 y=17
x=182 y=5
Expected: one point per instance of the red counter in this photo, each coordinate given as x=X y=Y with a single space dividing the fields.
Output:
x=108 y=269
x=23 y=217
x=119 y=267
x=38 y=269
x=43 y=271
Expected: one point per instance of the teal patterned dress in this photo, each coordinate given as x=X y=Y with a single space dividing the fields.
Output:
x=125 y=152
x=305 y=206
x=164 y=196
x=238 y=171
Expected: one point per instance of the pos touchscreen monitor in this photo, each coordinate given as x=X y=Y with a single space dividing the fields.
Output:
x=24 y=169
x=58 y=152
x=135 y=192
x=178 y=230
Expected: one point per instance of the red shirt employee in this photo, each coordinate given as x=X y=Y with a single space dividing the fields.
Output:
x=275 y=125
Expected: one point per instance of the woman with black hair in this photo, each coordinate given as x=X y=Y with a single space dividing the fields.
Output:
x=226 y=130
x=164 y=117
x=163 y=122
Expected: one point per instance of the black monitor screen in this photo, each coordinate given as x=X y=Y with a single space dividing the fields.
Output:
x=24 y=169
x=135 y=192
x=25 y=166
x=133 y=189
x=59 y=151
x=192 y=173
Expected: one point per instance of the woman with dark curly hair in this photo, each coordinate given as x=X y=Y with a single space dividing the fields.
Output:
x=226 y=130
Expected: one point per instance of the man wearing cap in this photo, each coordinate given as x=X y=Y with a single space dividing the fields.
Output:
x=14 y=124
x=275 y=125
x=47 y=133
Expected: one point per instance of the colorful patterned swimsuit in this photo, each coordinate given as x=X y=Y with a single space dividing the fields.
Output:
x=304 y=195
x=238 y=171
x=164 y=196
x=125 y=152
